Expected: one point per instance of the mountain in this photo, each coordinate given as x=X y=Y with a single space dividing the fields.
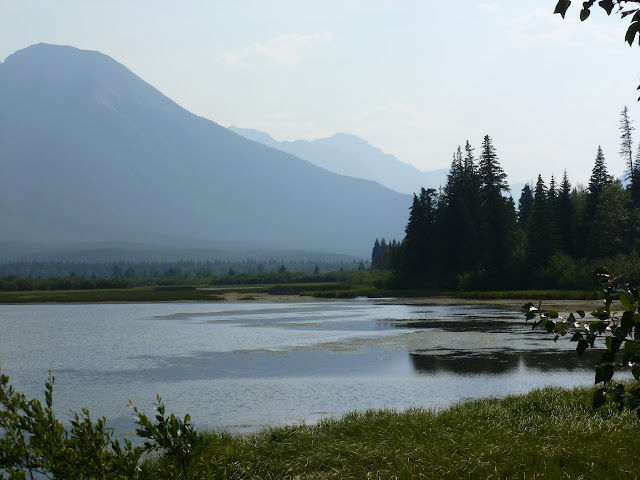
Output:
x=89 y=152
x=350 y=155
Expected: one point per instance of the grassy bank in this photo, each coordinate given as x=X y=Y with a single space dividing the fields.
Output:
x=532 y=294
x=114 y=295
x=550 y=433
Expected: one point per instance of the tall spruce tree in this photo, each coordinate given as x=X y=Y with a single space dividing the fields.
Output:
x=524 y=206
x=420 y=239
x=598 y=180
x=566 y=216
x=498 y=212
x=541 y=234
x=626 y=143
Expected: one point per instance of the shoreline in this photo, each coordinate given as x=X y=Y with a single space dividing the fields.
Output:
x=561 y=306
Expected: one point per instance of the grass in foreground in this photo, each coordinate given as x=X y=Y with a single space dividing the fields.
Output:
x=550 y=433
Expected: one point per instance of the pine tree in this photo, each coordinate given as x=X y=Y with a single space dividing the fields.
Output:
x=524 y=205
x=566 y=216
x=626 y=142
x=498 y=212
x=599 y=179
x=541 y=234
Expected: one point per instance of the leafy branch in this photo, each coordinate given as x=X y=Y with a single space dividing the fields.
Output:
x=625 y=7
x=621 y=334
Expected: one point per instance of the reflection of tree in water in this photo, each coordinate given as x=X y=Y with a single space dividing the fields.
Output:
x=501 y=362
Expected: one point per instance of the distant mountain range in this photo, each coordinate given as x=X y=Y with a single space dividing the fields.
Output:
x=350 y=155
x=89 y=152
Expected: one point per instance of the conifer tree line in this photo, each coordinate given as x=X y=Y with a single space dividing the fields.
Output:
x=472 y=235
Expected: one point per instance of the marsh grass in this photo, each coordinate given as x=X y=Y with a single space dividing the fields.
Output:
x=550 y=433
x=149 y=294
x=529 y=294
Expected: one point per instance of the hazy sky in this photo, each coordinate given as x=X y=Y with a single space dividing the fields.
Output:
x=414 y=78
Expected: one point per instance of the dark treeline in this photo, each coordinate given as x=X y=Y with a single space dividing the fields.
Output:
x=188 y=268
x=471 y=235
x=36 y=275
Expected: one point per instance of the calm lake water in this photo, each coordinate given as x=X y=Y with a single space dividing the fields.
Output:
x=242 y=366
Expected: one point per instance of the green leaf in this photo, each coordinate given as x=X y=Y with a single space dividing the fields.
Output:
x=635 y=371
x=562 y=7
x=631 y=32
x=604 y=373
x=576 y=337
x=552 y=314
x=549 y=326
x=581 y=347
x=627 y=302
x=613 y=344
x=581 y=313
x=599 y=398
x=631 y=346
x=607 y=5
x=584 y=14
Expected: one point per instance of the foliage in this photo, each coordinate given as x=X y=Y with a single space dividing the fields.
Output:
x=621 y=334
x=608 y=6
x=35 y=444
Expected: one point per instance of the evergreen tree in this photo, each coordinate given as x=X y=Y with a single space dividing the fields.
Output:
x=541 y=234
x=635 y=180
x=524 y=205
x=626 y=143
x=599 y=179
x=498 y=211
x=376 y=255
x=420 y=237
x=565 y=216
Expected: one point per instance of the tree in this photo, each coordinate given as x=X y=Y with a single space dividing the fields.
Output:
x=524 y=205
x=498 y=211
x=598 y=180
x=626 y=142
x=541 y=231
x=608 y=6
x=566 y=216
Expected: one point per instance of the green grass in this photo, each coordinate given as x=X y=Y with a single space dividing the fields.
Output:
x=532 y=294
x=146 y=294
x=547 y=434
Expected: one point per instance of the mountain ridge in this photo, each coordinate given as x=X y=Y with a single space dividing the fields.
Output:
x=91 y=152
x=351 y=155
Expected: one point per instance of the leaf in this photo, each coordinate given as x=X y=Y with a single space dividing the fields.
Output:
x=581 y=313
x=562 y=7
x=576 y=337
x=581 y=347
x=550 y=326
x=607 y=5
x=604 y=373
x=599 y=398
x=631 y=32
x=635 y=371
x=552 y=314
x=627 y=302
x=584 y=14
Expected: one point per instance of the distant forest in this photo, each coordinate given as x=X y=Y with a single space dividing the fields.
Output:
x=61 y=275
x=471 y=235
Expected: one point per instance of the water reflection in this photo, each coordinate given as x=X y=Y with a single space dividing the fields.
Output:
x=503 y=361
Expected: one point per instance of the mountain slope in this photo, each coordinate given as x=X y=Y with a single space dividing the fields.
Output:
x=350 y=155
x=90 y=152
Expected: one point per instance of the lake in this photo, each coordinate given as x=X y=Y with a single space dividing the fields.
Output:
x=241 y=366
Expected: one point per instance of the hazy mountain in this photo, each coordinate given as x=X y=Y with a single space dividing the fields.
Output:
x=350 y=155
x=90 y=152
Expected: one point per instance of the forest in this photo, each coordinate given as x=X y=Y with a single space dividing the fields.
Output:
x=471 y=235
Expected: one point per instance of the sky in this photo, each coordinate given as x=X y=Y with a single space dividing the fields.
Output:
x=413 y=78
